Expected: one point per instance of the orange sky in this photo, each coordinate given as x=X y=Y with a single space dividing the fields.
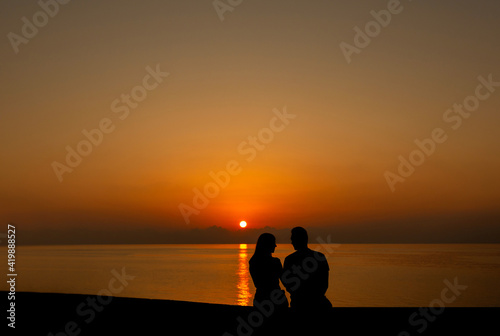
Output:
x=353 y=120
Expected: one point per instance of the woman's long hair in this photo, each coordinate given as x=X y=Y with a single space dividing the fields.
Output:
x=265 y=245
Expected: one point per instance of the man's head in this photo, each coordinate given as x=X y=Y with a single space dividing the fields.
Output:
x=299 y=238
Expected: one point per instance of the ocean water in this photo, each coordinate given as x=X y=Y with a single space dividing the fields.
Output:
x=361 y=275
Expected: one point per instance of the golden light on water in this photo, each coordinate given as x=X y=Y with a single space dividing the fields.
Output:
x=243 y=285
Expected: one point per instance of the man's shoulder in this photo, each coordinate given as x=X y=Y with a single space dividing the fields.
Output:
x=291 y=257
x=304 y=254
x=299 y=255
x=318 y=254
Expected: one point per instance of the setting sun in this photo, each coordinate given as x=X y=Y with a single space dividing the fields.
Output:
x=243 y=224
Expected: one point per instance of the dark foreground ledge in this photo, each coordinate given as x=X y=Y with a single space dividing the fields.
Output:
x=72 y=314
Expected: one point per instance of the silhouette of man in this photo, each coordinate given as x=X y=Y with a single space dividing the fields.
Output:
x=305 y=276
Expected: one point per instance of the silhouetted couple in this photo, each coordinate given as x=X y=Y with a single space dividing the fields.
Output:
x=304 y=275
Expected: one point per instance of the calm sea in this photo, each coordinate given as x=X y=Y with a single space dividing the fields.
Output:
x=361 y=274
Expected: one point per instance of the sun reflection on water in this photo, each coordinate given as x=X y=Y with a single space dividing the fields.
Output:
x=243 y=285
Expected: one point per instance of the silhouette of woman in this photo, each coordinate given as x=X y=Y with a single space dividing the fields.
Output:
x=266 y=272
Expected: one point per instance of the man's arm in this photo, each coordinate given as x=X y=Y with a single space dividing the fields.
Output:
x=324 y=277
